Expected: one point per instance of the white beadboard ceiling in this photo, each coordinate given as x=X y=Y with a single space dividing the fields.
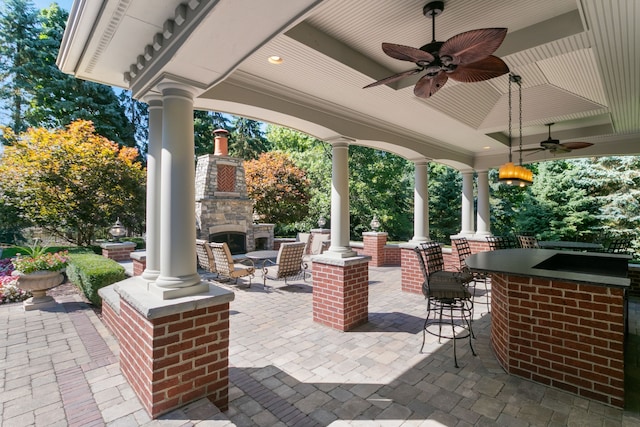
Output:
x=578 y=60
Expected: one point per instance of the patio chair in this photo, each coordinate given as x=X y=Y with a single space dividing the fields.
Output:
x=618 y=245
x=500 y=242
x=288 y=264
x=448 y=298
x=315 y=245
x=205 y=256
x=464 y=251
x=528 y=242
x=225 y=265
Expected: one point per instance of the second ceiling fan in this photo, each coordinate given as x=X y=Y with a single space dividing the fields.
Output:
x=555 y=146
x=466 y=57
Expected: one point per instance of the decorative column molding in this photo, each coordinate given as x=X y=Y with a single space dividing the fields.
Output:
x=178 y=275
x=154 y=167
x=467 y=204
x=340 y=247
x=483 y=216
x=421 y=203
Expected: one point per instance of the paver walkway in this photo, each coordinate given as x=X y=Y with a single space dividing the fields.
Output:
x=59 y=367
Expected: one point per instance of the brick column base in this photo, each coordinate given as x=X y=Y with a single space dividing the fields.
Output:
x=411 y=275
x=172 y=352
x=139 y=260
x=118 y=251
x=341 y=291
x=374 y=243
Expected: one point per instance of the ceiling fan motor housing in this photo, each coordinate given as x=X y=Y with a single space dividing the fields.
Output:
x=550 y=143
x=433 y=8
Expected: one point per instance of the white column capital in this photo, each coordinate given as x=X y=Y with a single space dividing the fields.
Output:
x=153 y=100
x=175 y=89
x=340 y=141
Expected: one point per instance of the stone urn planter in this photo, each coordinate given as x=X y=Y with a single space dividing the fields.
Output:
x=38 y=282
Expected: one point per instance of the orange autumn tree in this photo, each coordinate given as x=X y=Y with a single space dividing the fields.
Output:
x=71 y=181
x=279 y=189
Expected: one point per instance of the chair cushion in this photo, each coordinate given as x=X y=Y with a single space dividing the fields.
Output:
x=447 y=284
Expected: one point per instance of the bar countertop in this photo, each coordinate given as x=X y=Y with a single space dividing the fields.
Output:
x=592 y=268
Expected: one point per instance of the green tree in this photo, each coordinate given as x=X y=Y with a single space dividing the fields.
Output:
x=41 y=95
x=314 y=157
x=279 y=189
x=19 y=28
x=246 y=140
x=204 y=123
x=381 y=184
x=138 y=115
x=445 y=203
x=72 y=181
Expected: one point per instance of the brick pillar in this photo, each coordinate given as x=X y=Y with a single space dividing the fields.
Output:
x=118 y=251
x=411 y=274
x=172 y=352
x=341 y=291
x=374 y=243
x=139 y=259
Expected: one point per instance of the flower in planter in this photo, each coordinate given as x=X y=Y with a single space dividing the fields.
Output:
x=9 y=291
x=37 y=259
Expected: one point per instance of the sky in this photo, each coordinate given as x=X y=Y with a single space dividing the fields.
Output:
x=64 y=4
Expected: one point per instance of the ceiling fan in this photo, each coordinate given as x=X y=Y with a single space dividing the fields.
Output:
x=555 y=146
x=466 y=57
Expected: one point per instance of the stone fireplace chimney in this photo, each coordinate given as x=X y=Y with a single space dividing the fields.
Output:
x=224 y=211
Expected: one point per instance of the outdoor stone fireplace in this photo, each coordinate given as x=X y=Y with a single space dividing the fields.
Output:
x=224 y=212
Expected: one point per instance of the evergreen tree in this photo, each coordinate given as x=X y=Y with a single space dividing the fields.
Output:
x=247 y=140
x=204 y=123
x=40 y=94
x=138 y=115
x=19 y=28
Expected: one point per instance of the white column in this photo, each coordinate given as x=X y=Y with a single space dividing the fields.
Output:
x=467 y=204
x=483 y=218
x=178 y=274
x=154 y=153
x=340 y=247
x=421 y=203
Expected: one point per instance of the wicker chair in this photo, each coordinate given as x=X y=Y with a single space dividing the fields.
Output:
x=528 y=242
x=618 y=245
x=464 y=251
x=205 y=256
x=225 y=266
x=288 y=264
x=500 y=242
x=448 y=298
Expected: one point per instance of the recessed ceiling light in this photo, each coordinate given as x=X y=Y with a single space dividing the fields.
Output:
x=275 y=59
x=486 y=147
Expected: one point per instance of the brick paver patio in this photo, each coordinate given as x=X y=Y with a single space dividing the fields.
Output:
x=59 y=368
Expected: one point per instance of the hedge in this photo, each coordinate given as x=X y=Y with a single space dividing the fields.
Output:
x=90 y=272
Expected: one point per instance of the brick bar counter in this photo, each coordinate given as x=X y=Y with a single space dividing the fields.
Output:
x=557 y=318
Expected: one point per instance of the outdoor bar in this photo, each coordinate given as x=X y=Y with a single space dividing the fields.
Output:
x=558 y=318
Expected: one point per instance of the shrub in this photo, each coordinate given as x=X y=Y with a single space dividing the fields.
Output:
x=90 y=272
x=139 y=241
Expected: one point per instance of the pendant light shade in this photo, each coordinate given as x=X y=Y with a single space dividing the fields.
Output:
x=509 y=173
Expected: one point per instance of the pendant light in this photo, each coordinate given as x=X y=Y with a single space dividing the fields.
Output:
x=510 y=174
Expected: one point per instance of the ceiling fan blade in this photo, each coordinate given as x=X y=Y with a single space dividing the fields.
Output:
x=485 y=69
x=559 y=149
x=427 y=86
x=474 y=45
x=394 y=78
x=575 y=145
x=406 y=53
x=529 y=149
